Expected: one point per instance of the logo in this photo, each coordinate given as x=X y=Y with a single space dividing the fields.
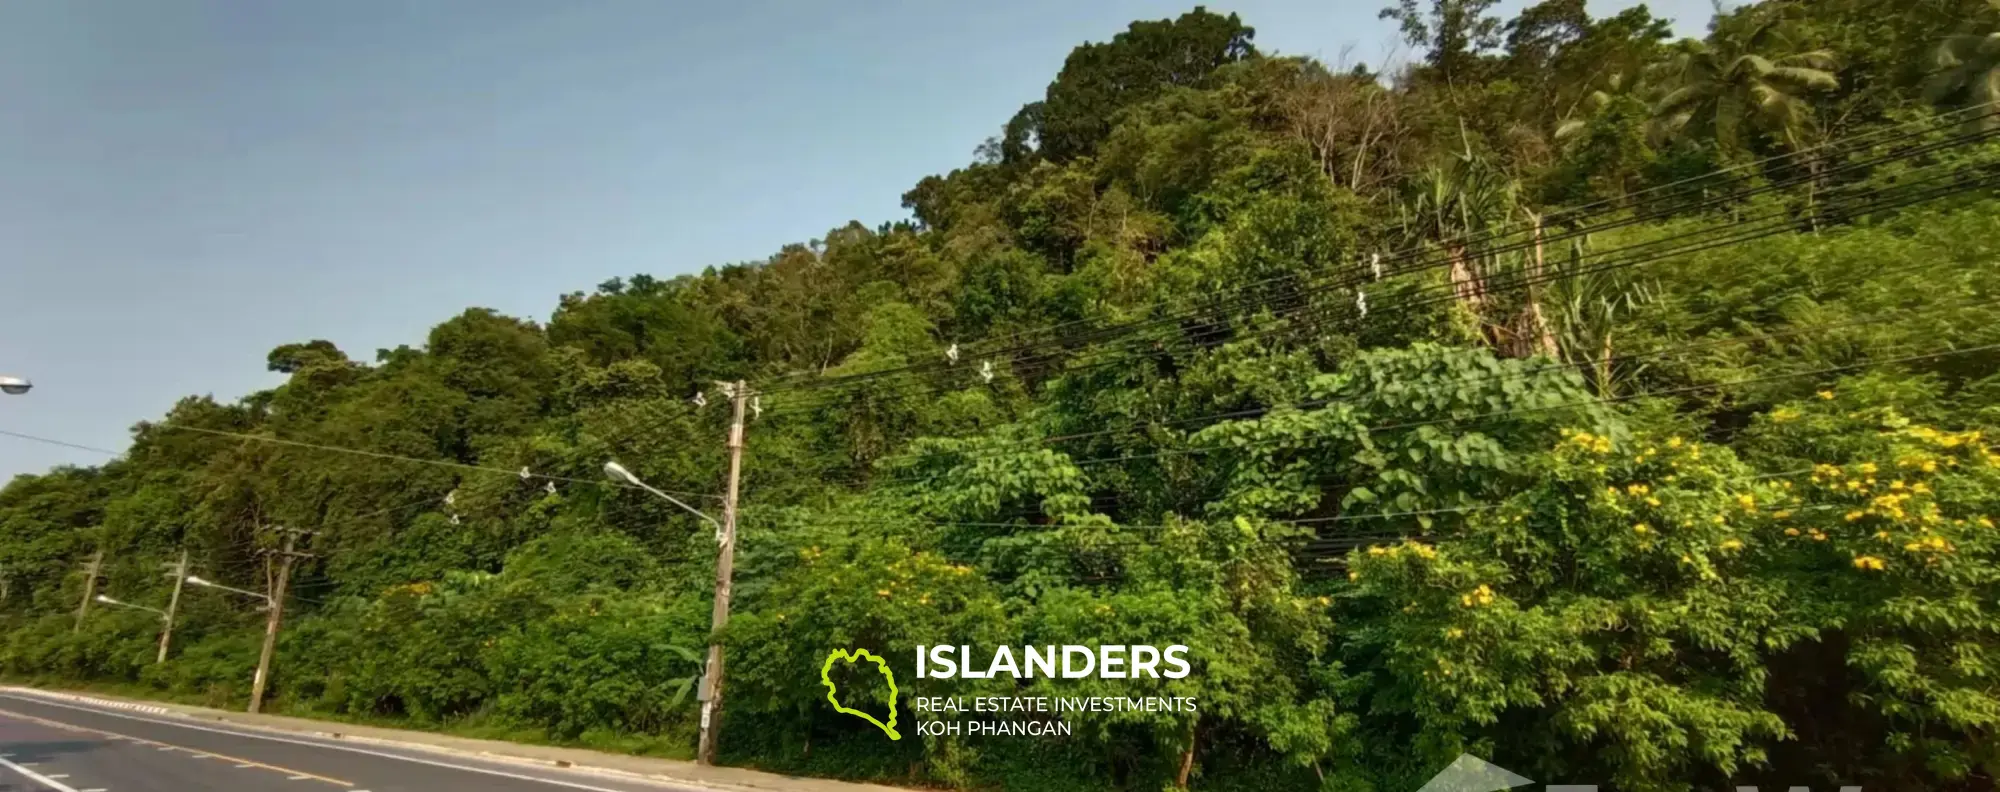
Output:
x=1470 y=773
x=833 y=693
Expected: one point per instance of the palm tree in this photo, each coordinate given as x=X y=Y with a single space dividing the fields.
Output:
x=1966 y=72
x=1718 y=87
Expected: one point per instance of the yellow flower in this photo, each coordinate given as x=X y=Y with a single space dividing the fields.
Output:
x=881 y=592
x=1674 y=442
x=1854 y=515
x=1732 y=544
x=1781 y=514
x=1868 y=562
x=1791 y=532
x=1985 y=522
x=1454 y=633
x=1351 y=575
x=1748 y=502
x=1652 y=501
x=1826 y=395
x=1325 y=601
x=1642 y=529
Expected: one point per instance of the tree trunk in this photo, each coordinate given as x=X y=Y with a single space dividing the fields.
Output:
x=1543 y=335
x=1187 y=758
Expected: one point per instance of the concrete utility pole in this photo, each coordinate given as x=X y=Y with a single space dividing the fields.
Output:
x=173 y=605
x=276 y=598
x=725 y=565
x=90 y=573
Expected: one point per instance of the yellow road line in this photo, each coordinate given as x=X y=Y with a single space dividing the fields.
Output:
x=195 y=753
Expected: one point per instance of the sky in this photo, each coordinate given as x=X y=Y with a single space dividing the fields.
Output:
x=185 y=185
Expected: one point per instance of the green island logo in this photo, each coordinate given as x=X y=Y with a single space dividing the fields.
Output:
x=833 y=694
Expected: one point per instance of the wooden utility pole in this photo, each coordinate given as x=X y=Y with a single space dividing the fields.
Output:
x=90 y=573
x=725 y=565
x=173 y=605
x=275 y=602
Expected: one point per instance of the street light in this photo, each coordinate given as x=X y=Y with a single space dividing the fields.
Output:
x=192 y=580
x=109 y=601
x=618 y=472
x=14 y=386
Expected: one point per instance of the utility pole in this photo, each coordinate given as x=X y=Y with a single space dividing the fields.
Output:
x=276 y=603
x=180 y=574
x=89 y=587
x=725 y=565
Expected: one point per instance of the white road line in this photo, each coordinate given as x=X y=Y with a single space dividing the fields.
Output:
x=330 y=747
x=58 y=775
x=298 y=778
x=38 y=778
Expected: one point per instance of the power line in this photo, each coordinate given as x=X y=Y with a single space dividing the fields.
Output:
x=62 y=443
x=523 y=473
x=1606 y=206
x=1772 y=224
x=1739 y=238
x=1000 y=450
x=1361 y=278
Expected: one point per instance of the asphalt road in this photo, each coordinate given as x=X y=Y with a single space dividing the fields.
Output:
x=49 y=745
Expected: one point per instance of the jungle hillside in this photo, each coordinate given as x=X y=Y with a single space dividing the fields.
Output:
x=1617 y=408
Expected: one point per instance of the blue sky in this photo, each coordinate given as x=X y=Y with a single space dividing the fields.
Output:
x=185 y=185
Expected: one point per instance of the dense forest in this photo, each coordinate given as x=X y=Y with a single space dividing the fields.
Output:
x=1618 y=408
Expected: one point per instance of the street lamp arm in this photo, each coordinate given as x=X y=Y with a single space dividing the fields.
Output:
x=677 y=502
x=211 y=584
x=122 y=604
x=618 y=472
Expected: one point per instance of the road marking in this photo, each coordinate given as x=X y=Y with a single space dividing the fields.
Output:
x=38 y=778
x=165 y=747
x=298 y=778
x=58 y=775
x=329 y=747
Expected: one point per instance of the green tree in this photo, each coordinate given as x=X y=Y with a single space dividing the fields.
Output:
x=1746 y=80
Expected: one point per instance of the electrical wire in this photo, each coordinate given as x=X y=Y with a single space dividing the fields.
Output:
x=1361 y=279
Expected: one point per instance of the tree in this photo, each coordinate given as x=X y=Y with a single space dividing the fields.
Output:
x=1454 y=35
x=1743 y=78
x=1966 y=67
x=1098 y=80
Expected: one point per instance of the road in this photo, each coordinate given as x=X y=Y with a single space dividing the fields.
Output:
x=49 y=745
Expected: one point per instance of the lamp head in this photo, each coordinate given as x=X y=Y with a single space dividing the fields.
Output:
x=618 y=472
x=15 y=386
